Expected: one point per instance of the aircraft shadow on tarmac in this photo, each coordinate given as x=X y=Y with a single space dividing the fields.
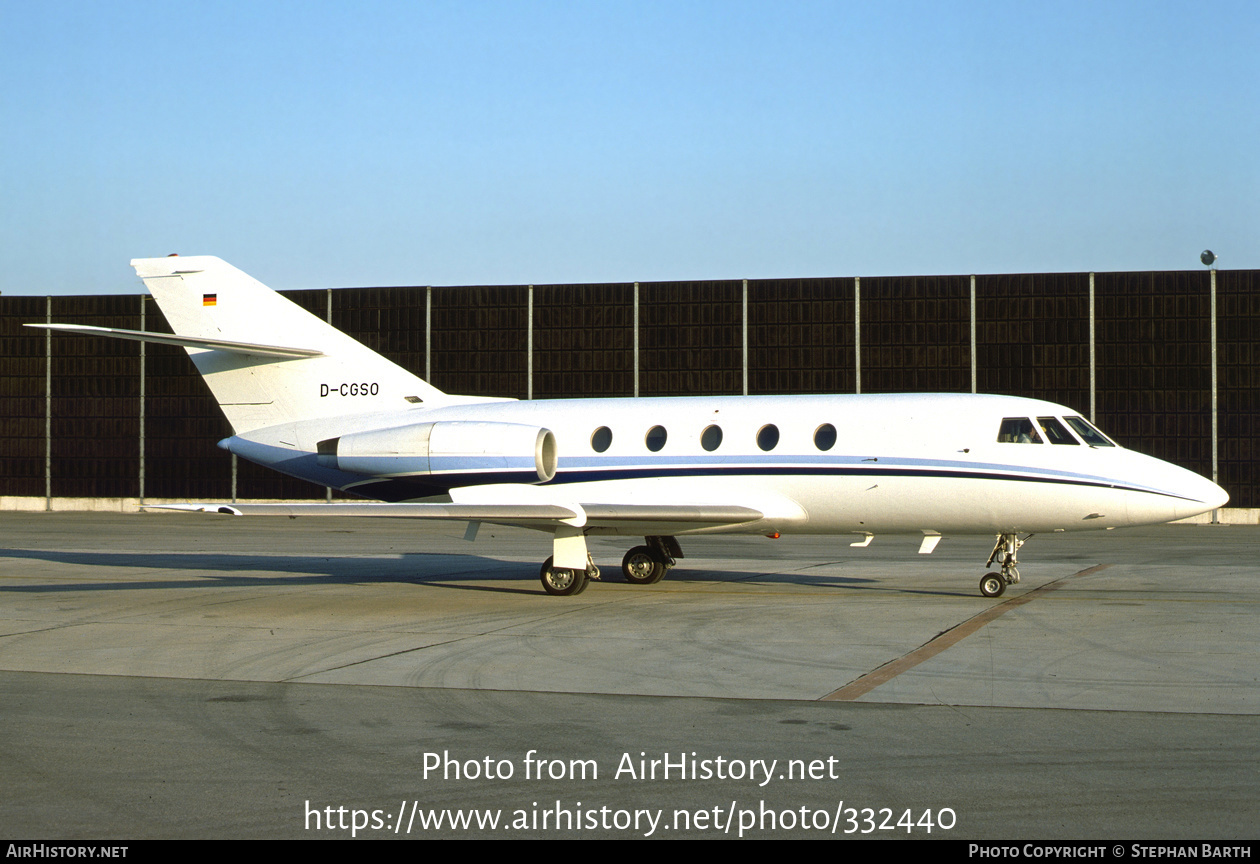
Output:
x=434 y=569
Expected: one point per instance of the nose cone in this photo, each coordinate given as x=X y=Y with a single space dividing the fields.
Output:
x=1179 y=494
x=1194 y=494
x=1202 y=494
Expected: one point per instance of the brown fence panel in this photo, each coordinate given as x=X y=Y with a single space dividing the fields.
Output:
x=690 y=342
x=1032 y=337
x=916 y=334
x=479 y=340
x=22 y=384
x=1238 y=377
x=583 y=340
x=800 y=336
x=1154 y=364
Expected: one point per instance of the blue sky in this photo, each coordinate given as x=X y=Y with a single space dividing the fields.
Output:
x=325 y=144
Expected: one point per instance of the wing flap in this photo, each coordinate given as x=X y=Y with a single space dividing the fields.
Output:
x=691 y=515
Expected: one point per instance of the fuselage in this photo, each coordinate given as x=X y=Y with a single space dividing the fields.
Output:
x=887 y=463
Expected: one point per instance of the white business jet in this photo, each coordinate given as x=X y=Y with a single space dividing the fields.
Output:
x=308 y=400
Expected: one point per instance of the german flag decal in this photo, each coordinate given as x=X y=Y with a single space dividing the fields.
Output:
x=209 y=299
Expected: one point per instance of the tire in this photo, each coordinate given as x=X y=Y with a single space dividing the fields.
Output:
x=992 y=585
x=562 y=582
x=641 y=567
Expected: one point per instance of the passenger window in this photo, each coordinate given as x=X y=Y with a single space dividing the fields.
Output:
x=1088 y=433
x=655 y=438
x=601 y=439
x=1054 y=431
x=1018 y=430
x=768 y=437
x=825 y=437
x=711 y=438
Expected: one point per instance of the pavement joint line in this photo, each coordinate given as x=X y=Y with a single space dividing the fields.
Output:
x=890 y=670
x=461 y=638
x=297 y=679
x=47 y=629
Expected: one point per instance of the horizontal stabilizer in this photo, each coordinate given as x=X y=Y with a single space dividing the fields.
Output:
x=183 y=341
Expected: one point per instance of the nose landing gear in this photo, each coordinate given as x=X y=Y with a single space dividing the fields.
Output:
x=994 y=584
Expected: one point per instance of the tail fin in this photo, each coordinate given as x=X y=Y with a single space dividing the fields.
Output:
x=205 y=298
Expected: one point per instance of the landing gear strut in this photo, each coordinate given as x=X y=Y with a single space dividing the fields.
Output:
x=994 y=584
x=647 y=565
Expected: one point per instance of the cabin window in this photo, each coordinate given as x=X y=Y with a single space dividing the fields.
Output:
x=1018 y=430
x=768 y=437
x=711 y=438
x=655 y=438
x=825 y=437
x=1088 y=433
x=601 y=439
x=1054 y=431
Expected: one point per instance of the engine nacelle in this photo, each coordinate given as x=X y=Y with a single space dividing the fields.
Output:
x=503 y=452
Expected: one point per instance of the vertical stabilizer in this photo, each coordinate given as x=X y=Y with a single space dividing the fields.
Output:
x=206 y=298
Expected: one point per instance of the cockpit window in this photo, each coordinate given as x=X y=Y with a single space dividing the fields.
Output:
x=1054 y=431
x=1088 y=433
x=1018 y=430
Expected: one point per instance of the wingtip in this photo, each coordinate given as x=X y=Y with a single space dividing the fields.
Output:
x=195 y=508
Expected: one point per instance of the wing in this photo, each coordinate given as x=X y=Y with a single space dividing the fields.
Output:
x=543 y=508
x=622 y=518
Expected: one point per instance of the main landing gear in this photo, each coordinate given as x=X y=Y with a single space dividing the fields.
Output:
x=994 y=584
x=647 y=565
x=643 y=565
x=567 y=583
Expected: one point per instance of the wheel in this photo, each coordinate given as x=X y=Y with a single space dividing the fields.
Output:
x=992 y=585
x=641 y=567
x=562 y=582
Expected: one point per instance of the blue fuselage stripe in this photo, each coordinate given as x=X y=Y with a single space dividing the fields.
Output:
x=429 y=484
x=590 y=476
